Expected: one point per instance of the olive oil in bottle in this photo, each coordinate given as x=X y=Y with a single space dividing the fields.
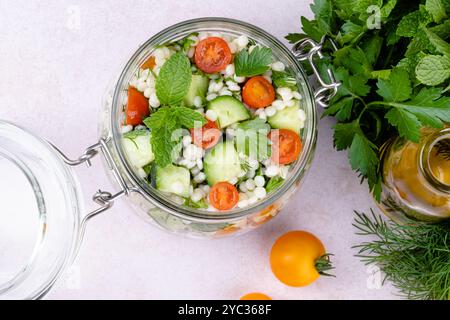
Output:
x=416 y=177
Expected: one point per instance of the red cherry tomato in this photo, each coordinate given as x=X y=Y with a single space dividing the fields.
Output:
x=258 y=92
x=137 y=107
x=206 y=136
x=286 y=146
x=212 y=55
x=223 y=196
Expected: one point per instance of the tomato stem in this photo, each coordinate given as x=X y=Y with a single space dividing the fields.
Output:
x=323 y=265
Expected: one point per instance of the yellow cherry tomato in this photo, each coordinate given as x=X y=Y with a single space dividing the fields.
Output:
x=256 y=296
x=293 y=258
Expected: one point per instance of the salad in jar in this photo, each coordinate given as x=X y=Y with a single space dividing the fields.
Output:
x=214 y=121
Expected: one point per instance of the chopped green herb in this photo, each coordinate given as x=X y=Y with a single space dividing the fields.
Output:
x=254 y=63
x=274 y=183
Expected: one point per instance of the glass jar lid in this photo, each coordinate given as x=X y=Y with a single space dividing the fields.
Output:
x=39 y=227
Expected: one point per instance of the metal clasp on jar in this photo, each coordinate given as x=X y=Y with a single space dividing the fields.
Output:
x=104 y=199
x=308 y=50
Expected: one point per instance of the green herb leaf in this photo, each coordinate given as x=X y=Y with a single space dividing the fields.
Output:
x=433 y=70
x=413 y=256
x=410 y=24
x=407 y=124
x=274 y=183
x=397 y=87
x=350 y=31
x=436 y=9
x=283 y=79
x=174 y=79
x=188 y=118
x=342 y=109
x=253 y=143
x=363 y=156
x=428 y=106
x=354 y=60
x=441 y=46
x=344 y=134
x=294 y=37
x=164 y=125
x=135 y=133
x=255 y=124
x=251 y=64
x=195 y=205
x=163 y=143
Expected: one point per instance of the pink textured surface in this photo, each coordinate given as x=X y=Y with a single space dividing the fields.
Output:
x=57 y=58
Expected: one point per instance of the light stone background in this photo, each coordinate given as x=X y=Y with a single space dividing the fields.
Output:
x=56 y=59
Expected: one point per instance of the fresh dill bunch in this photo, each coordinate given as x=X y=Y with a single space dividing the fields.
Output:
x=414 y=257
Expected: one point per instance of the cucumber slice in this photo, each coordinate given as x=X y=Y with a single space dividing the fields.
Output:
x=199 y=87
x=173 y=179
x=229 y=110
x=222 y=163
x=138 y=150
x=286 y=119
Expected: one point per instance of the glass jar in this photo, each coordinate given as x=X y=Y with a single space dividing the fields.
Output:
x=416 y=177
x=46 y=238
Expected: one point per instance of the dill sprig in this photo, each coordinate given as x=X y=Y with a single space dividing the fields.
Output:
x=414 y=257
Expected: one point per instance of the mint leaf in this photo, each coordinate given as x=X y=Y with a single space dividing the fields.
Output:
x=407 y=124
x=251 y=64
x=163 y=144
x=188 y=118
x=174 y=79
x=397 y=87
x=441 y=45
x=274 y=183
x=410 y=24
x=164 y=124
x=436 y=9
x=442 y=30
x=158 y=118
x=433 y=70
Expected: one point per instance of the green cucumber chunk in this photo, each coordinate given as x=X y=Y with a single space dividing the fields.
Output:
x=286 y=119
x=138 y=150
x=198 y=88
x=173 y=179
x=229 y=110
x=222 y=163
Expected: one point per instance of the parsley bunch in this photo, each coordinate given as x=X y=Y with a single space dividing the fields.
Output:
x=393 y=61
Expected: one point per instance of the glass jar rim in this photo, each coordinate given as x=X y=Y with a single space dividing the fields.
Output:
x=301 y=164
x=425 y=154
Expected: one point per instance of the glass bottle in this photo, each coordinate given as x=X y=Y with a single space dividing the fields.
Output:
x=416 y=177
